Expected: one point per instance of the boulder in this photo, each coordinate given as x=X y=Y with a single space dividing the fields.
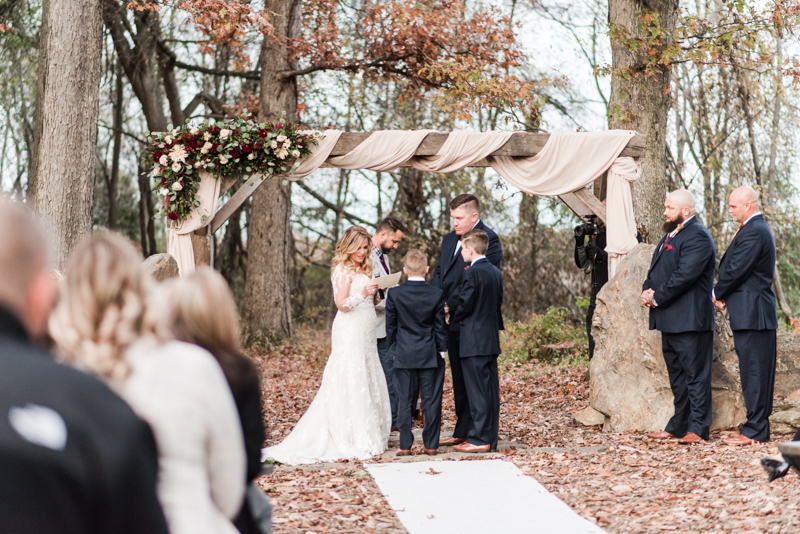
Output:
x=628 y=380
x=787 y=369
x=794 y=396
x=161 y=266
x=791 y=418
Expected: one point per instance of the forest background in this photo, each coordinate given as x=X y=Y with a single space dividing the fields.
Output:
x=731 y=119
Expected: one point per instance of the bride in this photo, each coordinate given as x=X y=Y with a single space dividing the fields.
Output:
x=350 y=416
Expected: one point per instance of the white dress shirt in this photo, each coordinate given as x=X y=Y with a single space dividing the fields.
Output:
x=458 y=245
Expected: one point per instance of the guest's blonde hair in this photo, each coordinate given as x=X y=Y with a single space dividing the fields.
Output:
x=103 y=307
x=347 y=246
x=415 y=262
x=203 y=311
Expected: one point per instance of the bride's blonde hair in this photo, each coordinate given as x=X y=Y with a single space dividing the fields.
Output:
x=103 y=307
x=348 y=245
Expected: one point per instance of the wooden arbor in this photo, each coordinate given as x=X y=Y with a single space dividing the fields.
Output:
x=521 y=144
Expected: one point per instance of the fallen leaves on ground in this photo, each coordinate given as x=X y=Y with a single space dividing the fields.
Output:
x=634 y=485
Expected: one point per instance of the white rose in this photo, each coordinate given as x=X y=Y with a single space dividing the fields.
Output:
x=177 y=186
x=281 y=138
x=176 y=167
x=175 y=132
x=296 y=153
x=251 y=156
x=164 y=192
x=163 y=160
x=194 y=131
x=223 y=134
x=207 y=136
x=156 y=170
x=206 y=147
x=273 y=144
x=198 y=164
x=223 y=160
x=168 y=140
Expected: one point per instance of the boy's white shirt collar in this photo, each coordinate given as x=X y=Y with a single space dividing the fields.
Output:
x=416 y=279
x=481 y=257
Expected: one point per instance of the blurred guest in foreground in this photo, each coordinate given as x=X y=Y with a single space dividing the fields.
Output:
x=73 y=455
x=203 y=312
x=102 y=325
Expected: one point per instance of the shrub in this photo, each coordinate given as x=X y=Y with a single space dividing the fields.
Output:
x=525 y=340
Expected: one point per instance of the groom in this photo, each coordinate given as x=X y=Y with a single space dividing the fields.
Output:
x=465 y=212
x=387 y=236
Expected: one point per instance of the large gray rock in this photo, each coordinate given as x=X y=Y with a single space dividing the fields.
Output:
x=161 y=266
x=628 y=380
x=787 y=370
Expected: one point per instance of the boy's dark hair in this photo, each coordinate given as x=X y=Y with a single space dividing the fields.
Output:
x=478 y=240
x=391 y=225
x=467 y=202
x=415 y=262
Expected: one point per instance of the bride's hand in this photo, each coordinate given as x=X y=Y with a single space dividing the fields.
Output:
x=369 y=290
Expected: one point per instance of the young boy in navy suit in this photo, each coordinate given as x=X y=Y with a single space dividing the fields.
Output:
x=417 y=337
x=478 y=312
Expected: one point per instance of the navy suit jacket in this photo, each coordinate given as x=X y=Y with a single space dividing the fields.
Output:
x=745 y=278
x=415 y=328
x=450 y=267
x=682 y=275
x=478 y=310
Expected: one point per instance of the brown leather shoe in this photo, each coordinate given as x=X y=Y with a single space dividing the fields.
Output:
x=690 y=438
x=431 y=452
x=661 y=435
x=449 y=442
x=741 y=439
x=404 y=452
x=469 y=447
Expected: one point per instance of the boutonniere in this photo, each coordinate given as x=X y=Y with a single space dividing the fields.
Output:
x=668 y=247
x=467 y=267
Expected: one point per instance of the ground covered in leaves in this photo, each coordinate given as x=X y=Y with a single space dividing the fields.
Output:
x=632 y=486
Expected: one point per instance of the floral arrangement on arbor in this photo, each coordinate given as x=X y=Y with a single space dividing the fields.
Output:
x=231 y=147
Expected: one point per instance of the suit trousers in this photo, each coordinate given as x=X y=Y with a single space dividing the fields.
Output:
x=387 y=363
x=408 y=383
x=483 y=392
x=757 y=351
x=688 y=357
x=463 y=416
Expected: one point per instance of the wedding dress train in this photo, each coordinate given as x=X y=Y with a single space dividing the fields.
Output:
x=350 y=416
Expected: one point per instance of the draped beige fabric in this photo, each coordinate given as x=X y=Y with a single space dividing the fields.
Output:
x=568 y=162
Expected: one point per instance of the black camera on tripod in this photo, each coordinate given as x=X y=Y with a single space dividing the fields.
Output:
x=589 y=227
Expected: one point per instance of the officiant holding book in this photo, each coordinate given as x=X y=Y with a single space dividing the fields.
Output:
x=387 y=236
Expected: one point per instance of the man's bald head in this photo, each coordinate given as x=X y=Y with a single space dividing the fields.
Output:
x=743 y=203
x=678 y=207
x=26 y=288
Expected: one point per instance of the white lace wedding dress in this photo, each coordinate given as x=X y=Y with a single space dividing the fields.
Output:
x=350 y=416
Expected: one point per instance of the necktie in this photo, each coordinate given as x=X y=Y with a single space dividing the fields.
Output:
x=383 y=262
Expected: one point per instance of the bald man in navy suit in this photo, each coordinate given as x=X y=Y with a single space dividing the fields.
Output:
x=745 y=289
x=678 y=292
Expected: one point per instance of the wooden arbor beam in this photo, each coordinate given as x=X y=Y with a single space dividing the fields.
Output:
x=521 y=144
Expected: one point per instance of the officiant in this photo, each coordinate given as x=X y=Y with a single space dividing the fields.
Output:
x=387 y=236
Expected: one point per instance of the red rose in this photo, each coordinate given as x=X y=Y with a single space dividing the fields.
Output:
x=235 y=152
x=258 y=146
x=156 y=156
x=278 y=126
x=263 y=133
x=172 y=216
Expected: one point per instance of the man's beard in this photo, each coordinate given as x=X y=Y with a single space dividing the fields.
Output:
x=669 y=226
x=383 y=248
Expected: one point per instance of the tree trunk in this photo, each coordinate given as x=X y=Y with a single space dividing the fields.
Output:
x=529 y=222
x=114 y=179
x=640 y=101
x=266 y=309
x=65 y=139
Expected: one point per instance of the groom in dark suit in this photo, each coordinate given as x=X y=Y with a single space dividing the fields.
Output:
x=478 y=313
x=417 y=338
x=465 y=212
x=678 y=292
x=745 y=287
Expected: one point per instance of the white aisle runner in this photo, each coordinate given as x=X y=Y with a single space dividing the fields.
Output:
x=484 y=496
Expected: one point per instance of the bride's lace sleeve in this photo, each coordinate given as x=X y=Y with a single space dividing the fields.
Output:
x=341 y=280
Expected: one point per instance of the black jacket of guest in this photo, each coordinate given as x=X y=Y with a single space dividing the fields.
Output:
x=448 y=271
x=745 y=278
x=415 y=327
x=478 y=310
x=599 y=263
x=74 y=458
x=242 y=377
x=682 y=275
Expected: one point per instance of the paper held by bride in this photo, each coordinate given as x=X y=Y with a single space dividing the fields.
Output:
x=391 y=280
x=560 y=164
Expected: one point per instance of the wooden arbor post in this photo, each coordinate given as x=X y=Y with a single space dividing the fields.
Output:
x=521 y=144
